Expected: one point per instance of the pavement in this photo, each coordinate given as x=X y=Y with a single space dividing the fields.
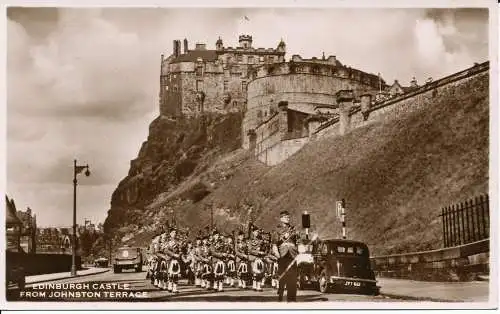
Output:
x=57 y=276
x=470 y=291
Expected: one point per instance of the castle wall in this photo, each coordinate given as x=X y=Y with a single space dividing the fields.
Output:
x=274 y=148
x=281 y=151
x=302 y=89
x=407 y=103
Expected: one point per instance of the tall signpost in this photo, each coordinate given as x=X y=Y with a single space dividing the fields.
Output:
x=341 y=216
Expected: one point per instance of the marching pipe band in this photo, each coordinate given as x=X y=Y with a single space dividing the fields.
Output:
x=214 y=261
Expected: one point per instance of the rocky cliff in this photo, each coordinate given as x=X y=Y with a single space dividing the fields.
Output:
x=176 y=150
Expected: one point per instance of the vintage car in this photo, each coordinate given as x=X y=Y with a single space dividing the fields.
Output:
x=128 y=258
x=343 y=266
x=101 y=262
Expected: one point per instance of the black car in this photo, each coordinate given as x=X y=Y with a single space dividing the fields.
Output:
x=343 y=266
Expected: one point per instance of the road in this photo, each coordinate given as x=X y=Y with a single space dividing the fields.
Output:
x=130 y=286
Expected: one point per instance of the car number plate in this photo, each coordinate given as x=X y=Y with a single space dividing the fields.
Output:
x=352 y=283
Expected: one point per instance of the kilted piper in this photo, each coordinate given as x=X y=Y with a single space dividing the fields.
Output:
x=285 y=248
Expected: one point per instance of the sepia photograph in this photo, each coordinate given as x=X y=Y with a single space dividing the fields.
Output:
x=250 y=157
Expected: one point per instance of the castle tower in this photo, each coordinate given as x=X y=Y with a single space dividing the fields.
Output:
x=177 y=48
x=219 y=45
x=186 y=47
x=245 y=41
x=345 y=101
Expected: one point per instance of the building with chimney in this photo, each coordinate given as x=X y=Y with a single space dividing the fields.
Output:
x=198 y=80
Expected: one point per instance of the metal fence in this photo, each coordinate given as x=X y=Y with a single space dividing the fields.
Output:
x=466 y=222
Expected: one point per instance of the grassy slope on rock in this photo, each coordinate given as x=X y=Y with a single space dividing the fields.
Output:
x=395 y=176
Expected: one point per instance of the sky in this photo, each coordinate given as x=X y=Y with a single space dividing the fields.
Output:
x=83 y=83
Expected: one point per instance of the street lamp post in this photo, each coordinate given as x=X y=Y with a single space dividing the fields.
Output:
x=76 y=171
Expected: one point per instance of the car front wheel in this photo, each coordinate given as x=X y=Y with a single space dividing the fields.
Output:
x=323 y=283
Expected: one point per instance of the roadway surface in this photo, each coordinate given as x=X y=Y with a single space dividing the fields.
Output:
x=130 y=286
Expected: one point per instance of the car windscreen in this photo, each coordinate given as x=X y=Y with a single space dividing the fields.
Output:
x=343 y=249
x=126 y=253
x=348 y=250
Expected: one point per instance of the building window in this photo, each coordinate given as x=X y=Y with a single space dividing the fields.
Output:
x=239 y=58
x=175 y=76
x=250 y=59
x=261 y=59
x=166 y=88
x=243 y=86
x=225 y=85
x=226 y=73
x=199 y=86
x=175 y=88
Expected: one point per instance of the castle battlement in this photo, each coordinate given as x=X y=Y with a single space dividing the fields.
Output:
x=317 y=67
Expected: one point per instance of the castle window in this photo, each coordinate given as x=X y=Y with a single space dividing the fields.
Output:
x=199 y=85
x=225 y=85
x=250 y=59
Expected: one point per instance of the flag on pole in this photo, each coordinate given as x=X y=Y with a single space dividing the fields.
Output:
x=246 y=18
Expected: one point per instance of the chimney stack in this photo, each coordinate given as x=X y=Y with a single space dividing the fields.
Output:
x=185 y=45
x=177 y=48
